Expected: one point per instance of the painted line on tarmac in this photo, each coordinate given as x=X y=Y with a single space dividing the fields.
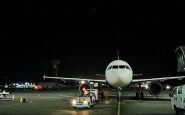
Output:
x=118 y=113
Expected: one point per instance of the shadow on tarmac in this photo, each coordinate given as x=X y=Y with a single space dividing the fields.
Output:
x=152 y=98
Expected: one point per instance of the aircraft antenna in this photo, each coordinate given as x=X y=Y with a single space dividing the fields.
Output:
x=118 y=54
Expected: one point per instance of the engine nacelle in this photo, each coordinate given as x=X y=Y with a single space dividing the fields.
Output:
x=155 y=88
x=84 y=87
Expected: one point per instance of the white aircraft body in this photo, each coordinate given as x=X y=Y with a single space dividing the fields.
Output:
x=119 y=74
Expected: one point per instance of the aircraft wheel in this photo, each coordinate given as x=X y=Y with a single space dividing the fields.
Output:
x=142 y=94
x=102 y=95
x=137 y=95
x=118 y=98
x=177 y=111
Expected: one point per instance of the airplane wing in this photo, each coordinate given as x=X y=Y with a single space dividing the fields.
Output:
x=74 y=79
x=134 y=75
x=158 y=79
x=102 y=75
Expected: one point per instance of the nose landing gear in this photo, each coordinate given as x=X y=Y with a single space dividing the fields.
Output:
x=119 y=97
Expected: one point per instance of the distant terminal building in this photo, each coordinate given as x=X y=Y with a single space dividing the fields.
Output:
x=180 y=53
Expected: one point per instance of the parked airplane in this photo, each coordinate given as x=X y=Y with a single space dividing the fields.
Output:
x=119 y=74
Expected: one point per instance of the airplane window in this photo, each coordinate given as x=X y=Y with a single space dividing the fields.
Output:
x=127 y=67
x=121 y=66
x=115 y=67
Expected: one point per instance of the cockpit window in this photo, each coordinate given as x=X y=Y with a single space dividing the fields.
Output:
x=127 y=67
x=115 y=67
x=109 y=67
x=121 y=66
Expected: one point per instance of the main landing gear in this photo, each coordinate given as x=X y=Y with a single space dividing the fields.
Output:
x=139 y=92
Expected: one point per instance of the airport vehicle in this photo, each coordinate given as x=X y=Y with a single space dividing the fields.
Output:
x=86 y=100
x=6 y=96
x=82 y=102
x=178 y=99
x=119 y=74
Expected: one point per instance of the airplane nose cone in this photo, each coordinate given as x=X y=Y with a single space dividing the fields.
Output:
x=123 y=80
x=119 y=77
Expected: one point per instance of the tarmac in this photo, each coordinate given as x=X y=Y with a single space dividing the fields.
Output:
x=59 y=103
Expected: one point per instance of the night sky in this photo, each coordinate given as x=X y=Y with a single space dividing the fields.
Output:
x=84 y=36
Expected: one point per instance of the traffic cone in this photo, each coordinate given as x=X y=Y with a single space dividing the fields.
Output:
x=13 y=97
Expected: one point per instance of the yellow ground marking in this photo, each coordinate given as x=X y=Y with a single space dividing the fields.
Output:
x=118 y=108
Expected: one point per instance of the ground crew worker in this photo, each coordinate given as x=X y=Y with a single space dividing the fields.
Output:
x=90 y=94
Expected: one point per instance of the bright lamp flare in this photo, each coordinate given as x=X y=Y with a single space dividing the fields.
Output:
x=167 y=87
x=82 y=82
x=74 y=102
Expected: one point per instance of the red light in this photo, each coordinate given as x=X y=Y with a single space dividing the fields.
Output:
x=38 y=87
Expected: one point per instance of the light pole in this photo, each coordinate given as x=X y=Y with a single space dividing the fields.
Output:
x=55 y=63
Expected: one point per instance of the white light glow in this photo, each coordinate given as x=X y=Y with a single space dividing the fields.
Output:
x=167 y=87
x=85 y=102
x=82 y=82
x=73 y=102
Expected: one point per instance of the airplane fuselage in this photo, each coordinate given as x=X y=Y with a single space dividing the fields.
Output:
x=119 y=73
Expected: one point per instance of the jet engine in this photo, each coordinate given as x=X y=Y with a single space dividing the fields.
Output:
x=84 y=86
x=155 y=88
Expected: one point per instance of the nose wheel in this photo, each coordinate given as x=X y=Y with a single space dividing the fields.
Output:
x=119 y=97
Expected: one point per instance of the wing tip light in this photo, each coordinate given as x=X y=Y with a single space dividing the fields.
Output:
x=44 y=77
